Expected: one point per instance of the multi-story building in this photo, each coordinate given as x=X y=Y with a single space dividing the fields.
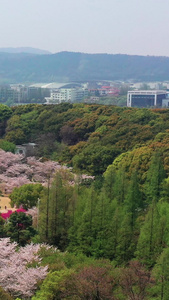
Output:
x=60 y=96
x=105 y=91
x=66 y=95
x=37 y=93
x=21 y=92
x=25 y=94
x=6 y=93
x=147 y=98
x=79 y=94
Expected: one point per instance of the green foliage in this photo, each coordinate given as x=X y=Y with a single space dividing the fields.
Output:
x=155 y=176
x=121 y=216
x=161 y=275
x=95 y=158
x=19 y=228
x=2 y=222
x=7 y=146
x=72 y=275
x=56 y=209
x=26 y=196
x=125 y=240
x=104 y=132
x=154 y=233
x=133 y=199
x=5 y=112
x=114 y=100
x=4 y=295
x=53 y=286
x=65 y=67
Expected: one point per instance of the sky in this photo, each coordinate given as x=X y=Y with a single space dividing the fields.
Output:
x=139 y=27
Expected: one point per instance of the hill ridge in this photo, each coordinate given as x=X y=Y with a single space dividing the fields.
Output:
x=77 y=66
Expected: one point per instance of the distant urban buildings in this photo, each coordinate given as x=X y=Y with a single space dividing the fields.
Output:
x=22 y=94
x=105 y=91
x=156 y=85
x=77 y=93
x=147 y=98
x=66 y=95
x=150 y=94
x=48 y=94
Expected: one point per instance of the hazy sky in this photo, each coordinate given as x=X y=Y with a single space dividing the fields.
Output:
x=91 y=26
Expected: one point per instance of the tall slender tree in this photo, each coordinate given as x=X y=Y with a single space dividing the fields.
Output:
x=155 y=176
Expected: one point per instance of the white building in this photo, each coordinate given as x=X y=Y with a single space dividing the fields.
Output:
x=66 y=95
x=147 y=98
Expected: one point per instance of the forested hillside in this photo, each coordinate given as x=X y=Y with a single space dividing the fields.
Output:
x=70 y=66
x=86 y=137
x=113 y=226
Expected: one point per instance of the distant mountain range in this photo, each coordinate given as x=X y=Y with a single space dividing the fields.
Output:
x=70 y=66
x=24 y=50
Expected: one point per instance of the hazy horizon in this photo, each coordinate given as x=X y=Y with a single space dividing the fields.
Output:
x=87 y=26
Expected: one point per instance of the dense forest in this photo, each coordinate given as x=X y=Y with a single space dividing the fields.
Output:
x=87 y=137
x=70 y=66
x=111 y=229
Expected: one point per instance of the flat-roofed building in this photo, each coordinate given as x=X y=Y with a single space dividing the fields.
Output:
x=147 y=98
x=66 y=95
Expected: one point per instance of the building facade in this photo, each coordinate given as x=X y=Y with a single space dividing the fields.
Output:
x=147 y=98
x=66 y=95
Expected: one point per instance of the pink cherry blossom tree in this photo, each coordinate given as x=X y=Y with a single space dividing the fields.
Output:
x=16 y=171
x=15 y=276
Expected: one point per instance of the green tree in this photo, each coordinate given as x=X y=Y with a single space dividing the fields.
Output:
x=54 y=285
x=7 y=146
x=109 y=235
x=120 y=185
x=155 y=176
x=133 y=199
x=160 y=273
x=125 y=241
x=19 y=228
x=85 y=235
x=2 y=223
x=95 y=158
x=164 y=195
x=5 y=114
x=82 y=230
x=154 y=234
x=109 y=181
x=26 y=196
x=55 y=216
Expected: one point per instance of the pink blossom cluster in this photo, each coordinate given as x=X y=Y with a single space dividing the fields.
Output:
x=14 y=171
x=33 y=212
x=15 y=276
x=7 y=184
x=83 y=177
x=8 y=159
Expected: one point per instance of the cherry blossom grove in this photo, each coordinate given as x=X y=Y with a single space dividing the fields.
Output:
x=16 y=171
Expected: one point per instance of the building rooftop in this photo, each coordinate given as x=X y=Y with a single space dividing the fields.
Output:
x=148 y=92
